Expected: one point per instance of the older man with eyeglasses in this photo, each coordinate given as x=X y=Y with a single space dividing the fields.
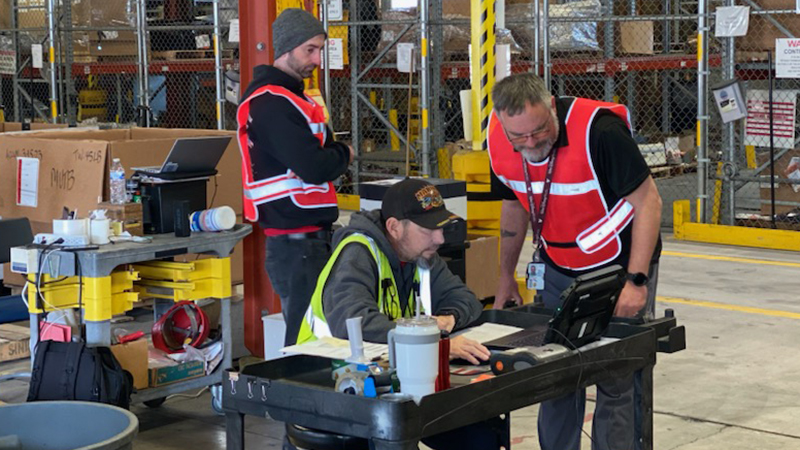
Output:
x=571 y=168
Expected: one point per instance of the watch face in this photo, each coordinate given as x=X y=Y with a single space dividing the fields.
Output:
x=639 y=279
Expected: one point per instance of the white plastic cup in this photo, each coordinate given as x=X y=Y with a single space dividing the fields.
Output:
x=100 y=230
x=214 y=219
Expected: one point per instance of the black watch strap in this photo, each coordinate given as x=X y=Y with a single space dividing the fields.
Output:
x=638 y=278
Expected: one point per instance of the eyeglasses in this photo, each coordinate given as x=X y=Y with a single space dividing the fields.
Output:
x=524 y=138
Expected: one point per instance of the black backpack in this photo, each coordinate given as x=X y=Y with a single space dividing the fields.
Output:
x=72 y=371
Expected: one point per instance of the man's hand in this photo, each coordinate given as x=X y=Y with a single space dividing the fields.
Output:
x=472 y=351
x=352 y=153
x=631 y=300
x=507 y=289
x=446 y=323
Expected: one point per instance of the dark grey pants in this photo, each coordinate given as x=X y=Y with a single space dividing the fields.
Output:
x=293 y=266
x=617 y=416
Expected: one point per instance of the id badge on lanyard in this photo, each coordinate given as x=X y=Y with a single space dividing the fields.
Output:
x=534 y=275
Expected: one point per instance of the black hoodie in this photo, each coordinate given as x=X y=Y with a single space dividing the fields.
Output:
x=281 y=141
x=352 y=287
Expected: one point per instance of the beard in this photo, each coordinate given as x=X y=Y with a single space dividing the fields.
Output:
x=423 y=262
x=301 y=70
x=538 y=153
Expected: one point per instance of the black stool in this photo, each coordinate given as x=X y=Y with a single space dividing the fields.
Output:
x=309 y=439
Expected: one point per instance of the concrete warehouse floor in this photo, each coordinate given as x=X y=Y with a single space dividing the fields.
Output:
x=735 y=387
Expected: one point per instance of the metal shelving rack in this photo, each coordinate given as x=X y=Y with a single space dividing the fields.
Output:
x=200 y=74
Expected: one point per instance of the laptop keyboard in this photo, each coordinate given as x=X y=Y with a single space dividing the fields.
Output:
x=530 y=340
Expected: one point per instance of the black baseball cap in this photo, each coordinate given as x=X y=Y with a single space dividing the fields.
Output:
x=418 y=201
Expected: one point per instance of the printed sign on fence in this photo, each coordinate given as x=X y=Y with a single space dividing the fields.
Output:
x=8 y=62
x=787 y=58
x=757 y=128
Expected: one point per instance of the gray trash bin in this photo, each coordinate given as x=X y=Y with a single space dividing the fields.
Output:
x=66 y=425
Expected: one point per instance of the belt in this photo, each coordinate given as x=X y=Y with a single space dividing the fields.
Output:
x=324 y=235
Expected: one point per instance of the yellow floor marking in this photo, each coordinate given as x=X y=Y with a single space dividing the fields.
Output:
x=737 y=308
x=731 y=259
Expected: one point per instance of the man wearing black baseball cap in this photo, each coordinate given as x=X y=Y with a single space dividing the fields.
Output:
x=378 y=270
x=378 y=264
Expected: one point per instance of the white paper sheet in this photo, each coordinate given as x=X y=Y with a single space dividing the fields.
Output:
x=335 y=10
x=233 y=32
x=732 y=21
x=37 y=56
x=336 y=47
x=488 y=332
x=27 y=182
x=405 y=55
x=202 y=41
x=333 y=348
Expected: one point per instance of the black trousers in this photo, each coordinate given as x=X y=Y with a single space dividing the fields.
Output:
x=293 y=266
x=617 y=415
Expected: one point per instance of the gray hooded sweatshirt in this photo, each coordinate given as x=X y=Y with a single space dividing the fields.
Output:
x=352 y=287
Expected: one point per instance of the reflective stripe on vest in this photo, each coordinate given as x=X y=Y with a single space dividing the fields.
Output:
x=555 y=188
x=583 y=229
x=319 y=328
x=257 y=192
x=315 y=325
x=606 y=229
x=281 y=186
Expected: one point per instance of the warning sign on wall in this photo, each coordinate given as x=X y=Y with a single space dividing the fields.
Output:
x=787 y=58
x=783 y=112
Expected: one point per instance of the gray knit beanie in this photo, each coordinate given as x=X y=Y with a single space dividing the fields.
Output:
x=292 y=28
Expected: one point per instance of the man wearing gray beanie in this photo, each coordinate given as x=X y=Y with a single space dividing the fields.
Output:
x=289 y=159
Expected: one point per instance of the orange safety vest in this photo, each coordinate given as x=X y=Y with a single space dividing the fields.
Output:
x=302 y=194
x=580 y=230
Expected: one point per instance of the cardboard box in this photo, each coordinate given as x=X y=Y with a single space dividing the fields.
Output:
x=105 y=43
x=462 y=7
x=31 y=14
x=761 y=33
x=636 y=37
x=14 y=342
x=133 y=358
x=130 y=214
x=784 y=192
x=162 y=370
x=483 y=265
x=10 y=127
x=104 y=13
x=85 y=13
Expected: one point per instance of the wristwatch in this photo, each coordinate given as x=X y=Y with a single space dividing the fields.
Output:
x=638 y=278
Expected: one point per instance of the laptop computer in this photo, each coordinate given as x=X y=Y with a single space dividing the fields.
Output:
x=587 y=307
x=196 y=157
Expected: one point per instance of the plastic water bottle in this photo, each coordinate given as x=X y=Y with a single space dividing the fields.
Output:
x=117 y=183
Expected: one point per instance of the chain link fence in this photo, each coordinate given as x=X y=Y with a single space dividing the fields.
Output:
x=370 y=97
x=642 y=55
x=24 y=92
x=741 y=192
x=116 y=61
